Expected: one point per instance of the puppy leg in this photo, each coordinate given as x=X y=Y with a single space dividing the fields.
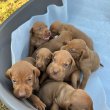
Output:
x=54 y=106
x=86 y=74
x=37 y=102
x=75 y=79
x=44 y=77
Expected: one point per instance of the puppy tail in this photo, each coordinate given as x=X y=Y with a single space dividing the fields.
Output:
x=101 y=65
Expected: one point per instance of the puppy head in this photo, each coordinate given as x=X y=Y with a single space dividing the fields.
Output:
x=77 y=48
x=55 y=27
x=43 y=58
x=61 y=66
x=23 y=76
x=40 y=30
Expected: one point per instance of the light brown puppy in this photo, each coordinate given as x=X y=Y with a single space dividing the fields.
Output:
x=56 y=43
x=43 y=57
x=86 y=59
x=60 y=95
x=63 y=68
x=24 y=77
x=57 y=27
x=39 y=35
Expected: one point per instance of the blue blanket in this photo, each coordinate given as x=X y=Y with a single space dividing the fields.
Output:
x=93 y=18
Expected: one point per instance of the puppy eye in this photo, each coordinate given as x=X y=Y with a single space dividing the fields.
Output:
x=40 y=28
x=72 y=50
x=48 y=59
x=29 y=79
x=14 y=81
x=37 y=57
x=65 y=65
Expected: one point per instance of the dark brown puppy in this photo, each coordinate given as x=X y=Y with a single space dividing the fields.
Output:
x=39 y=35
x=63 y=68
x=60 y=95
x=43 y=57
x=56 y=43
x=24 y=77
x=57 y=27
x=86 y=59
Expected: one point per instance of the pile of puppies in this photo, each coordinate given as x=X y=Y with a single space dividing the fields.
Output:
x=57 y=57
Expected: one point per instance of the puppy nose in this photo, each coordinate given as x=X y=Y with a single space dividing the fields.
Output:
x=39 y=65
x=55 y=71
x=22 y=94
x=48 y=32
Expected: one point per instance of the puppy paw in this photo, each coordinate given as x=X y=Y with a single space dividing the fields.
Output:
x=39 y=104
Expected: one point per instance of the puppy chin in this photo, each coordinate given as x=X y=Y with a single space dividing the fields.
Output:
x=56 y=78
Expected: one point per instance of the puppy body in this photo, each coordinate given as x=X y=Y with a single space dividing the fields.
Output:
x=63 y=68
x=86 y=59
x=56 y=43
x=39 y=35
x=57 y=27
x=61 y=95
x=24 y=77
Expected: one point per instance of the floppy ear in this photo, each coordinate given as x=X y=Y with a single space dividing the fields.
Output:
x=8 y=73
x=36 y=72
x=84 y=54
x=72 y=64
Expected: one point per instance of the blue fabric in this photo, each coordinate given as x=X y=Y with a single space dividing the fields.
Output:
x=93 y=18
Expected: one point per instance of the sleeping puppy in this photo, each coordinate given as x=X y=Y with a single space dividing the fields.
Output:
x=43 y=57
x=57 y=27
x=24 y=77
x=56 y=43
x=60 y=95
x=63 y=68
x=86 y=59
x=39 y=35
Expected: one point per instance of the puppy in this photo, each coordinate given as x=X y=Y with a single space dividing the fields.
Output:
x=57 y=27
x=56 y=43
x=86 y=59
x=43 y=57
x=24 y=77
x=63 y=68
x=60 y=95
x=39 y=35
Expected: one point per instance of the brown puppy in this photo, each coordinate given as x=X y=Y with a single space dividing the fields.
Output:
x=39 y=35
x=57 y=27
x=43 y=57
x=60 y=95
x=63 y=68
x=86 y=59
x=24 y=77
x=56 y=43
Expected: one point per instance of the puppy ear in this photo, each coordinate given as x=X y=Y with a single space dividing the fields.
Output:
x=72 y=64
x=84 y=54
x=8 y=73
x=36 y=72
